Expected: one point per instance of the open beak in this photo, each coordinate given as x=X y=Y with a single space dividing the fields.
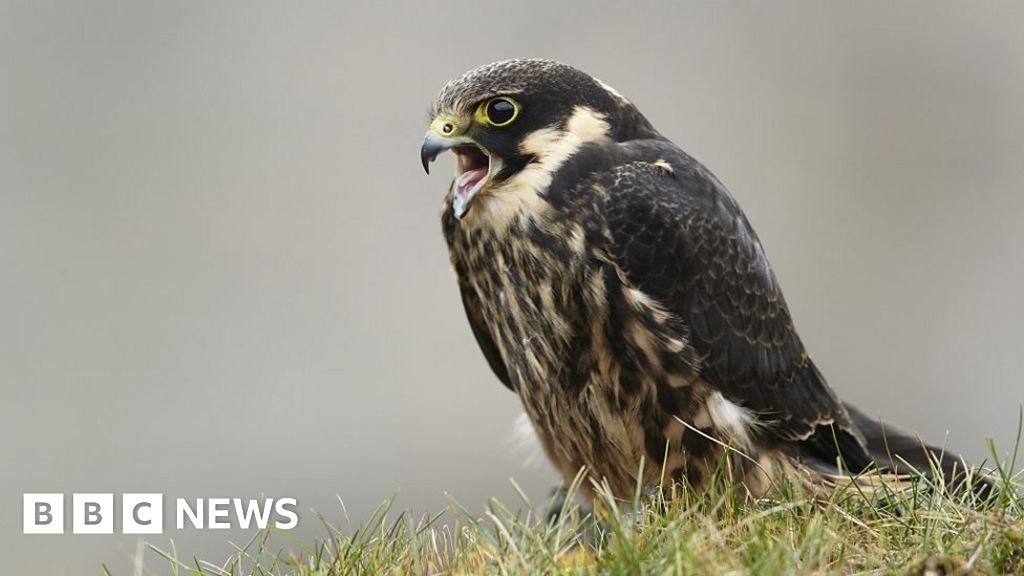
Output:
x=474 y=167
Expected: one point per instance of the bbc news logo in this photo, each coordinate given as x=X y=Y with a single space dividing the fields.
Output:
x=144 y=513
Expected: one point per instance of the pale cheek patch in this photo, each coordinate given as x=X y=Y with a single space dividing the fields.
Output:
x=551 y=147
x=522 y=195
x=586 y=124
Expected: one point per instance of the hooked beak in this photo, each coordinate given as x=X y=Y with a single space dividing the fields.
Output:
x=433 y=145
x=474 y=167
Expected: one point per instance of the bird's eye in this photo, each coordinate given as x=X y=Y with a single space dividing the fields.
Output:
x=498 y=112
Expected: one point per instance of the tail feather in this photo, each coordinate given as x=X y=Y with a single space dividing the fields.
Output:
x=897 y=452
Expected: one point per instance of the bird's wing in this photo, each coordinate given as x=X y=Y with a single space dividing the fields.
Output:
x=471 y=303
x=679 y=237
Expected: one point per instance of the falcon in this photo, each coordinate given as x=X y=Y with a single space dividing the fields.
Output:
x=614 y=284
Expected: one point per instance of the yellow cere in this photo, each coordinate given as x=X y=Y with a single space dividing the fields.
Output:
x=446 y=126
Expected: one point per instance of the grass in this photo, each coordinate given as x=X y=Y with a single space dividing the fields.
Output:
x=719 y=530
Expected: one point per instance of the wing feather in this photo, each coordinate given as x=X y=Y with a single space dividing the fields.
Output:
x=681 y=238
x=471 y=303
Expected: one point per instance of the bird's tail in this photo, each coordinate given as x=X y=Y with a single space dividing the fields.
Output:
x=897 y=459
x=897 y=452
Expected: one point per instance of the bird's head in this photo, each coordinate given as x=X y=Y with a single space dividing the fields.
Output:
x=516 y=121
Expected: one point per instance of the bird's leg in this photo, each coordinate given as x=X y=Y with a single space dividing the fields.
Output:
x=651 y=496
x=575 y=517
x=560 y=504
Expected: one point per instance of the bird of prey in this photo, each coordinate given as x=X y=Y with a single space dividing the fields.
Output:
x=614 y=284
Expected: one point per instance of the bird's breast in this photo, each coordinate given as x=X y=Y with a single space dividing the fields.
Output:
x=601 y=369
x=529 y=299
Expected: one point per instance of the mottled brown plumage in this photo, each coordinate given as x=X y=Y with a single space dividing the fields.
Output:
x=614 y=284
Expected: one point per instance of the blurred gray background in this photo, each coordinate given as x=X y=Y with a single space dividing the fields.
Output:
x=222 y=273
